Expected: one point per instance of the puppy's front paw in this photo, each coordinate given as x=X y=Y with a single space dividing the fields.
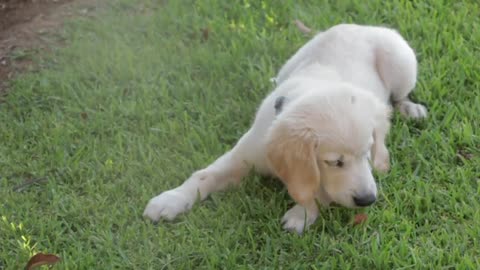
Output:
x=410 y=109
x=298 y=218
x=381 y=162
x=168 y=205
x=382 y=166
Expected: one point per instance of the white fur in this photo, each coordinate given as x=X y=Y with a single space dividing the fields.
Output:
x=337 y=89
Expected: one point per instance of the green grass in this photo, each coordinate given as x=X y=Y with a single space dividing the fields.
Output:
x=138 y=100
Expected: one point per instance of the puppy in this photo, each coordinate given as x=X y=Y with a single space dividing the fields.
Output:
x=320 y=129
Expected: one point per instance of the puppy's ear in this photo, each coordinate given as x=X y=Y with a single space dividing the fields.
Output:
x=291 y=155
x=379 y=152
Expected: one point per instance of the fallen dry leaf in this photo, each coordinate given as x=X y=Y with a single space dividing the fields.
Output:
x=41 y=259
x=304 y=29
x=359 y=218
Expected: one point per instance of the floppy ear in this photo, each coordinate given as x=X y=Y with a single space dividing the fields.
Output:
x=379 y=152
x=291 y=156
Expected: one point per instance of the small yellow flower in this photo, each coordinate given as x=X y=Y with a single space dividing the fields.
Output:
x=109 y=163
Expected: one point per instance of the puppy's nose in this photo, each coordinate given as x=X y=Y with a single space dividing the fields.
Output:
x=364 y=200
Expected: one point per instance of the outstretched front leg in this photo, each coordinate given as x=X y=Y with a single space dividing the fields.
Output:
x=227 y=170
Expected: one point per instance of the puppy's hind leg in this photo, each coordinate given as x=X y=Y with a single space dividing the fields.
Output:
x=226 y=170
x=397 y=66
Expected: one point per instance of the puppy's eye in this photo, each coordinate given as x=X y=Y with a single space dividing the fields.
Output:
x=335 y=163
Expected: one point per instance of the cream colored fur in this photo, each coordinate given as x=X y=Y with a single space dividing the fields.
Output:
x=331 y=126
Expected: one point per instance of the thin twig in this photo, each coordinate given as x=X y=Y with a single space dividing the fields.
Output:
x=28 y=183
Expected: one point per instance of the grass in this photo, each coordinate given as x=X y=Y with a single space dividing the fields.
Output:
x=139 y=98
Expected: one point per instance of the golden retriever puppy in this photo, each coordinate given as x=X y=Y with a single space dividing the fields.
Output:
x=320 y=129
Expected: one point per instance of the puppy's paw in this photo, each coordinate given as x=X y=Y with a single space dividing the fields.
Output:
x=381 y=162
x=298 y=218
x=413 y=110
x=168 y=205
x=382 y=166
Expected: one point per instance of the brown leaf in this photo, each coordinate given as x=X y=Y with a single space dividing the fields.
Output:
x=41 y=259
x=359 y=218
x=304 y=29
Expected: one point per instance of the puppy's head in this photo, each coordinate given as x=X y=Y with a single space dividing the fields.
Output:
x=319 y=146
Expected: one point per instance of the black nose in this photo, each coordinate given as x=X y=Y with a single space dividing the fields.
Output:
x=365 y=200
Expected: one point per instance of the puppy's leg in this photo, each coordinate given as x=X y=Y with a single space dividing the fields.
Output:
x=227 y=170
x=379 y=153
x=299 y=217
x=305 y=212
x=397 y=66
x=411 y=109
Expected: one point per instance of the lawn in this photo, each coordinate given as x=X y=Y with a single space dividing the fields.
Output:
x=146 y=92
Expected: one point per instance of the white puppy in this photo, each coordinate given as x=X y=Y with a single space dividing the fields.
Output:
x=318 y=130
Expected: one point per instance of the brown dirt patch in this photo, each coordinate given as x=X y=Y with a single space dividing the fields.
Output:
x=27 y=26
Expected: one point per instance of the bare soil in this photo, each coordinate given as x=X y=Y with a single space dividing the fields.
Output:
x=27 y=26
